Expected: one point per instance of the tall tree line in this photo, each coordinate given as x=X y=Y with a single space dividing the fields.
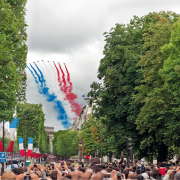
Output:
x=139 y=95
x=31 y=124
x=13 y=51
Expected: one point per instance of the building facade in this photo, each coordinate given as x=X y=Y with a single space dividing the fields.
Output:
x=86 y=111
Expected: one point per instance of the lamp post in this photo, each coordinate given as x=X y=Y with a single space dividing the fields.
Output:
x=80 y=146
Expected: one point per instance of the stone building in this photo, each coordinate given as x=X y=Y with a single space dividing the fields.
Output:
x=86 y=111
x=50 y=132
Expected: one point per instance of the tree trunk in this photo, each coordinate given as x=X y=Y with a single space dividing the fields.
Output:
x=162 y=153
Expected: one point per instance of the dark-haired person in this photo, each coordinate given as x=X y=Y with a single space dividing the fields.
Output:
x=95 y=165
x=17 y=171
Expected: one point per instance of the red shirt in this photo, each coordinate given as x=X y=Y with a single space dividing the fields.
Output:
x=162 y=171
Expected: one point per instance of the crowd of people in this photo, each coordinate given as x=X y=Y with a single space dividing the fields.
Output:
x=118 y=170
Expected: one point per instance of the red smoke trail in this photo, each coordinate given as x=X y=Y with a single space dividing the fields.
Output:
x=64 y=88
x=68 y=79
x=71 y=96
x=59 y=80
x=68 y=90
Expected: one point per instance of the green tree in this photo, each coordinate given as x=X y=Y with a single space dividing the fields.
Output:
x=170 y=74
x=118 y=69
x=65 y=143
x=31 y=118
x=90 y=135
x=128 y=97
x=13 y=51
x=155 y=115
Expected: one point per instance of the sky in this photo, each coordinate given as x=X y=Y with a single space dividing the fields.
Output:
x=71 y=32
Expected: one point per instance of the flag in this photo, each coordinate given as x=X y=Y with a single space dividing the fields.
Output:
x=32 y=155
x=45 y=155
x=12 y=126
x=30 y=146
x=21 y=148
x=1 y=147
x=37 y=153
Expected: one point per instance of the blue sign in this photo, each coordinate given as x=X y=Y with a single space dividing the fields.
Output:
x=2 y=156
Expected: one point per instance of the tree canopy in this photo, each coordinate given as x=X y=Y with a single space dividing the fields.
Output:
x=133 y=96
x=65 y=143
x=13 y=51
x=31 y=119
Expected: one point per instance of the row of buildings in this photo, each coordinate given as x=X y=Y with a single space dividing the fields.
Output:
x=85 y=113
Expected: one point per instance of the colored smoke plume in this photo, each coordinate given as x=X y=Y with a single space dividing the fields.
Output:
x=70 y=96
x=62 y=116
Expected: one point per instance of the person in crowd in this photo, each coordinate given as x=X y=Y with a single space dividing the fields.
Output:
x=97 y=171
x=95 y=165
x=162 y=169
x=12 y=166
x=8 y=176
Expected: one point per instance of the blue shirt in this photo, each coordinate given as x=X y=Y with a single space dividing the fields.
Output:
x=12 y=166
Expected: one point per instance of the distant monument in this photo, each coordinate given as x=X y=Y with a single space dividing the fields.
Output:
x=50 y=132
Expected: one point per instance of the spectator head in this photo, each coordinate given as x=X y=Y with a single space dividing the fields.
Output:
x=116 y=168
x=96 y=160
x=138 y=171
x=131 y=176
x=145 y=175
x=155 y=174
x=126 y=172
x=53 y=175
x=17 y=171
x=172 y=176
x=134 y=169
x=147 y=169
x=81 y=164
x=109 y=170
x=68 y=163
x=140 y=177
x=68 y=176
x=161 y=164
x=177 y=176
x=8 y=176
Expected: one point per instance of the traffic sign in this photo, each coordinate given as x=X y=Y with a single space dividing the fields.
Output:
x=2 y=156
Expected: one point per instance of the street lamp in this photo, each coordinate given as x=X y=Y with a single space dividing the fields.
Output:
x=80 y=146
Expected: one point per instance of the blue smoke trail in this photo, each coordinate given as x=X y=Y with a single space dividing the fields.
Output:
x=51 y=97
x=42 y=76
x=37 y=76
x=35 y=79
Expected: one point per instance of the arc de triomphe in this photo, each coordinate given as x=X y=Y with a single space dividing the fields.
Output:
x=50 y=132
